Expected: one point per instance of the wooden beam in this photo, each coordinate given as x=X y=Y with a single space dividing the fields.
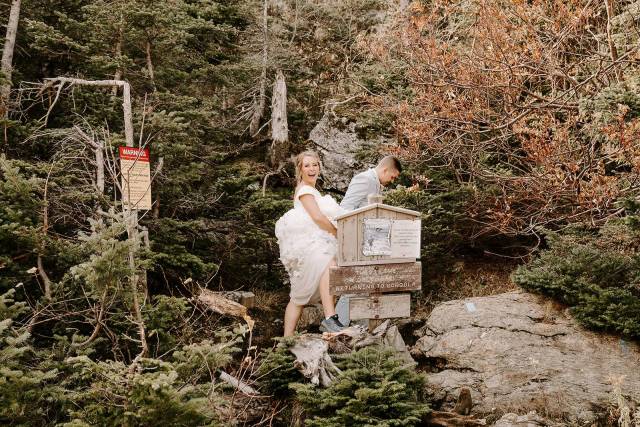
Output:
x=386 y=306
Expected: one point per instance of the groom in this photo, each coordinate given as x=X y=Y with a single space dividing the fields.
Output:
x=361 y=186
x=371 y=181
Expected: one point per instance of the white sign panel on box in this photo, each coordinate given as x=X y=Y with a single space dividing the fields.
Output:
x=135 y=170
x=405 y=238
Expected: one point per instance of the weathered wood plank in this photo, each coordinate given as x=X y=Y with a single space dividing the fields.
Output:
x=350 y=237
x=348 y=241
x=400 y=215
x=376 y=262
x=365 y=279
x=385 y=306
x=378 y=205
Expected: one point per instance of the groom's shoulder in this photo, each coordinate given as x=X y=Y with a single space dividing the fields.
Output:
x=363 y=174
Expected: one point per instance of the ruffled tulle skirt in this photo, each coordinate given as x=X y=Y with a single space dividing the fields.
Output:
x=305 y=252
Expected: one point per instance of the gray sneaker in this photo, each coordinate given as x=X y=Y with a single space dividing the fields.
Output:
x=332 y=324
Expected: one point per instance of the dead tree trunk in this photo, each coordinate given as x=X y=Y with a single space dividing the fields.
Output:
x=118 y=53
x=46 y=282
x=613 y=51
x=260 y=101
x=7 y=54
x=150 y=70
x=279 y=126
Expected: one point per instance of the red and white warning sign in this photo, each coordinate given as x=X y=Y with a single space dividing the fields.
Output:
x=136 y=177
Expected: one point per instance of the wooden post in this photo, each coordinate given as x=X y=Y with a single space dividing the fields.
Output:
x=376 y=321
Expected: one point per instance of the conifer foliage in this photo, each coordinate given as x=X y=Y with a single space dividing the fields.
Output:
x=595 y=272
x=374 y=389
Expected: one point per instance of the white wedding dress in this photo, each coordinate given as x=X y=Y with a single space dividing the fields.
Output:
x=305 y=248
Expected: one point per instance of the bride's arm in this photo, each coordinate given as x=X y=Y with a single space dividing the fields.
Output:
x=312 y=208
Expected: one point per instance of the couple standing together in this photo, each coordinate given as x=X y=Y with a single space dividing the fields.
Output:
x=307 y=234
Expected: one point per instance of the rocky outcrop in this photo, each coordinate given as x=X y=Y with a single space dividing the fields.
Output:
x=338 y=143
x=529 y=420
x=517 y=354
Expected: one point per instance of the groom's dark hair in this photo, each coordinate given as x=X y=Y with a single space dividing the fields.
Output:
x=391 y=161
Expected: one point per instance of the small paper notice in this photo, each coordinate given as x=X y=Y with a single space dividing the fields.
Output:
x=405 y=239
x=376 y=237
x=471 y=307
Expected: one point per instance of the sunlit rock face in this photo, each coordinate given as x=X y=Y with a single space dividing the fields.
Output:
x=518 y=353
x=340 y=147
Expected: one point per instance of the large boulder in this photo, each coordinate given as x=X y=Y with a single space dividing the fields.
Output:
x=518 y=352
x=337 y=141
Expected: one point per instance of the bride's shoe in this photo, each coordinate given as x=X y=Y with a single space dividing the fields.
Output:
x=332 y=324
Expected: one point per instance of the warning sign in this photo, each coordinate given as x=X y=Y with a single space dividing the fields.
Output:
x=136 y=177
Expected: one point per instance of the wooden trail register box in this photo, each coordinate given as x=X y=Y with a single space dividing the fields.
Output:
x=377 y=249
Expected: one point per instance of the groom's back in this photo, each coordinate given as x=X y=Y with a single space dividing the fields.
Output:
x=360 y=187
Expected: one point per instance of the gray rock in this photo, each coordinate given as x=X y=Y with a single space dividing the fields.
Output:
x=529 y=420
x=337 y=142
x=517 y=353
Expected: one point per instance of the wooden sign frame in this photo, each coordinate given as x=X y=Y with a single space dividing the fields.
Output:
x=351 y=234
x=377 y=278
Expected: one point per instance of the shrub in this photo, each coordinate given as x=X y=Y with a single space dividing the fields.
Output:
x=26 y=390
x=374 y=389
x=595 y=272
x=277 y=370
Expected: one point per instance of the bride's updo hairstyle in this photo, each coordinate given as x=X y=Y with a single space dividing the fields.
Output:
x=300 y=159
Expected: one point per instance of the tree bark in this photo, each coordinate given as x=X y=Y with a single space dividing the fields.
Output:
x=260 y=101
x=118 y=53
x=613 y=51
x=152 y=74
x=7 y=54
x=449 y=419
x=279 y=126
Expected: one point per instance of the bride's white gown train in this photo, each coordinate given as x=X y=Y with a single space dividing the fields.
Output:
x=305 y=248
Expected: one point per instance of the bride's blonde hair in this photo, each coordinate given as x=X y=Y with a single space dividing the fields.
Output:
x=299 y=162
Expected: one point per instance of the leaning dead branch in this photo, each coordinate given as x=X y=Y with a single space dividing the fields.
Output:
x=216 y=302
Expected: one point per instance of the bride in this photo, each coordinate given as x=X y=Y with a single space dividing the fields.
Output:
x=307 y=240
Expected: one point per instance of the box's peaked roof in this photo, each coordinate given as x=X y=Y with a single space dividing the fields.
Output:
x=378 y=205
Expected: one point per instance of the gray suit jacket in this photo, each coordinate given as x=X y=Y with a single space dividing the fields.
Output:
x=360 y=187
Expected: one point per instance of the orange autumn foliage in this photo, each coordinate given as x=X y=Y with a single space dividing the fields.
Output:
x=497 y=93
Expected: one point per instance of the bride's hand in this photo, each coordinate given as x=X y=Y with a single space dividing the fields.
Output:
x=312 y=208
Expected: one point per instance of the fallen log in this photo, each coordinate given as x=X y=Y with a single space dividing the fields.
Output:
x=239 y=385
x=216 y=302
